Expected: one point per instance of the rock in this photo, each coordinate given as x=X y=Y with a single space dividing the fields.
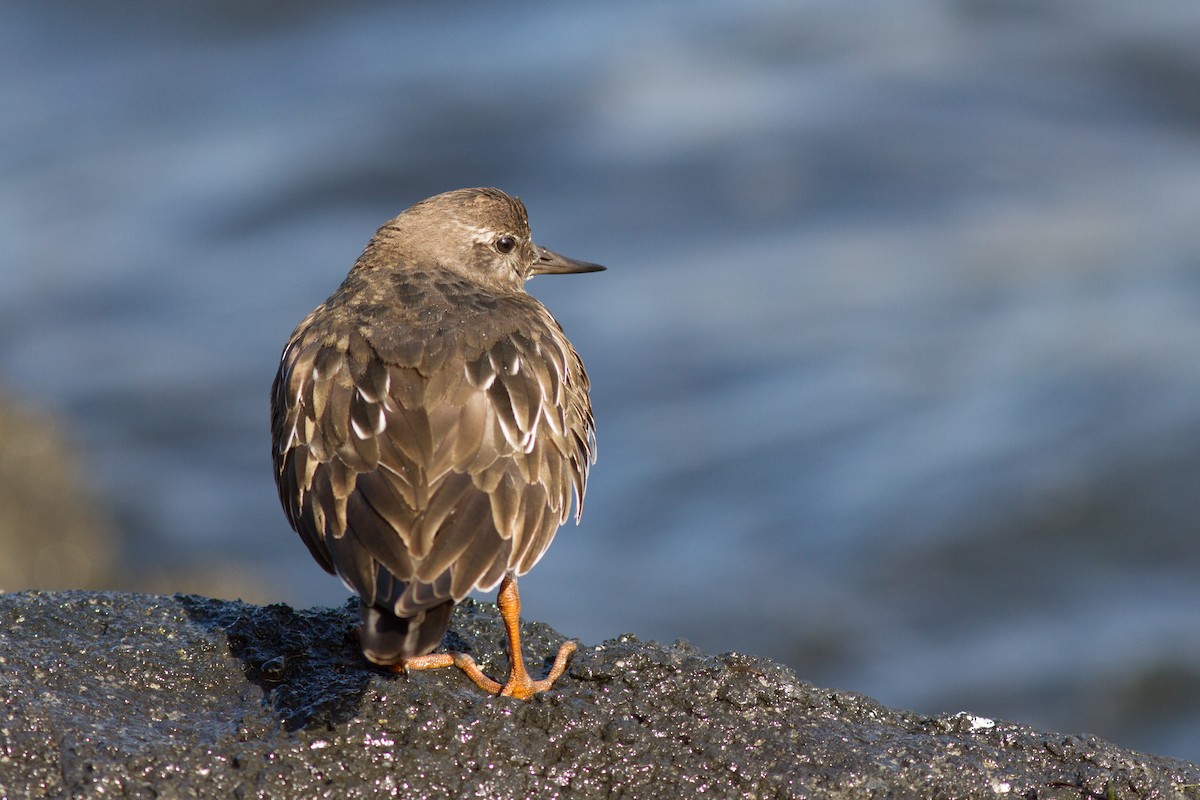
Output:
x=127 y=695
x=56 y=534
x=53 y=534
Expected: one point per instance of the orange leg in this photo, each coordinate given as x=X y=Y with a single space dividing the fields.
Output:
x=519 y=685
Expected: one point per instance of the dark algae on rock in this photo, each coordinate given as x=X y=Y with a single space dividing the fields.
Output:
x=138 y=696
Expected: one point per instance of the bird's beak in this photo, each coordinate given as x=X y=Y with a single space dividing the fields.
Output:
x=551 y=263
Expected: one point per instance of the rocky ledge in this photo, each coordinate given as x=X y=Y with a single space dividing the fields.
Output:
x=127 y=695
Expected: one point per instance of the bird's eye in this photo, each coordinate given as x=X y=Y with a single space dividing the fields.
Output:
x=505 y=244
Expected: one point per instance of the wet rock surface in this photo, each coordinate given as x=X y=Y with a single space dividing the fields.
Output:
x=127 y=695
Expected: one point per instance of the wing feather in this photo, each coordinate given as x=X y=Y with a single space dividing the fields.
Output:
x=419 y=468
x=378 y=533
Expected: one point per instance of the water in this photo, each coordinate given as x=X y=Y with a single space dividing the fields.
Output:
x=895 y=363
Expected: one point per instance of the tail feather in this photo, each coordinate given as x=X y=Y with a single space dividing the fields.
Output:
x=387 y=639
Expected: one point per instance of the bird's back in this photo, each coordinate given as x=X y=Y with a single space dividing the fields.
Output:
x=428 y=435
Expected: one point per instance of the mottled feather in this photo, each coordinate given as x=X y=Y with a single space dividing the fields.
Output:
x=430 y=425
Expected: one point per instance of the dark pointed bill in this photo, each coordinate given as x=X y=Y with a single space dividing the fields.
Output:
x=551 y=263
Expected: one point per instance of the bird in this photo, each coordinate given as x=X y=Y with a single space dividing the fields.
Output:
x=432 y=428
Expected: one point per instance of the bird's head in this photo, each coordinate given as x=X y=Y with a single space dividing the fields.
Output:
x=480 y=234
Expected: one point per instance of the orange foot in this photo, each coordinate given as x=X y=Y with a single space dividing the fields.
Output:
x=519 y=685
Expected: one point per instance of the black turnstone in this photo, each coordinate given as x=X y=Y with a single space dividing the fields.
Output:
x=430 y=422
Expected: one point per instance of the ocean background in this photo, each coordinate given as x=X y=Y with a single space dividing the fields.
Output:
x=896 y=365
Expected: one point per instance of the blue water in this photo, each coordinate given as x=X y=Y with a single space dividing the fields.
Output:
x=896 y=363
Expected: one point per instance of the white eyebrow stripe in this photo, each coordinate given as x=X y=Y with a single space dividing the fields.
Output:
x=478 y=232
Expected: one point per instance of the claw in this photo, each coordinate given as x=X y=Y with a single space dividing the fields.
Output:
x=519 y=684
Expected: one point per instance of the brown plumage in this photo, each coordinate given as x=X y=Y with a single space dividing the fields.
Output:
x=431 y=421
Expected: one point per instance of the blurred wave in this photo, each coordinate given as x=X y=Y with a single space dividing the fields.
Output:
x=895 y=363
